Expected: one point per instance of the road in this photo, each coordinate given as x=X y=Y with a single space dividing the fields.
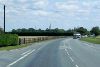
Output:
x=64 y=52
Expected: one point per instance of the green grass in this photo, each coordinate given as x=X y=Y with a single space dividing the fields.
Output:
x=94 y=40
x=98 y=37
x=13 y=47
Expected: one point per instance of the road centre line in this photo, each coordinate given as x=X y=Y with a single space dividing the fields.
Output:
x=66 y=50
x=71 y=59
x=69 y=48
x=20 y=58
x=76 y=65
x=67 y=53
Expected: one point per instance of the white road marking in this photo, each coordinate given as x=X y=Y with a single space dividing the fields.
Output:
x=39 y=48
x=21 y=58
x=25 y=52
x=70 y=48
x=76 y=65
x=71 y=59
x=67 y=53
x=66 y=50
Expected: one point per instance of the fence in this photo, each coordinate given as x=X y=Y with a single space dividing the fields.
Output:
x=31 y=39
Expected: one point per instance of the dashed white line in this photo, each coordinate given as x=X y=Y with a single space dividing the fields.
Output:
x=21 y=58
x=25 y=52
x=76 y=65
x=70 y=48
x=71 y=59
x=65 y=49
x=67 y=53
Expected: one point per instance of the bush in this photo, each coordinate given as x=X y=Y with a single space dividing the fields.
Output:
x=8 y=40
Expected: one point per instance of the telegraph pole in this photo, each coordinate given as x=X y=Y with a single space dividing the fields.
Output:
x=4 y=18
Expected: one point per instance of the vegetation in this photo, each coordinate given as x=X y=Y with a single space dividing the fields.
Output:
x=95 y=30
x=82 y=31
x=55 y=32
x=8 y=40
x=94 y=40
x=98 y=37
x=49 y=32
x=13 y=47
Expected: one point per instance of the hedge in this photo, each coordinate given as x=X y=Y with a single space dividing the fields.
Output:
x=8 y=40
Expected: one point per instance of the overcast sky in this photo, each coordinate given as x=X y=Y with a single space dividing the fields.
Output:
x=41 y=13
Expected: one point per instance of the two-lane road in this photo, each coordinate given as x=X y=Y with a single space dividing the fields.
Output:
x=60 y=53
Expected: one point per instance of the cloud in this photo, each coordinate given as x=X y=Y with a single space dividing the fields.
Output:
x=75 y=7
x=43 y=8
x=41 y=13
x=66 y=7
x=22 y=1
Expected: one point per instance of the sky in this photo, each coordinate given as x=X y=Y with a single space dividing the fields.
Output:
x=62 y=14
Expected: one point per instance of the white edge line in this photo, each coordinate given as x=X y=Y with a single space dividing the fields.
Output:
x=20 y=58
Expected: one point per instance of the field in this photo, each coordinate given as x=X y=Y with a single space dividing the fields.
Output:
x=95 y=40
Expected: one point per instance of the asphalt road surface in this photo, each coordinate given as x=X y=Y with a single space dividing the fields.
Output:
x=64 y=52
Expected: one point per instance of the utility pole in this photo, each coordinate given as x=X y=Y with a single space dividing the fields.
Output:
x=4 y=18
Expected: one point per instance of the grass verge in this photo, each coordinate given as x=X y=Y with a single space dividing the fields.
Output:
x=94 y=40
x=14 y=47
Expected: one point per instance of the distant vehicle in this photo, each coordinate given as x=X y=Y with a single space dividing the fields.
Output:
x=76 y=36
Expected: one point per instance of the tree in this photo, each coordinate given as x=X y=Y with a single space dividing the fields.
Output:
x=31 y=30
x=24 y=30
x=70 y=31
x=81 y=30
x=47 y=29
x=95 y=30
x=18 y=30
x=56 y=30
x=13 y=30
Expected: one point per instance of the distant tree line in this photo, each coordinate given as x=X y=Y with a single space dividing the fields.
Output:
x=55 y=32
